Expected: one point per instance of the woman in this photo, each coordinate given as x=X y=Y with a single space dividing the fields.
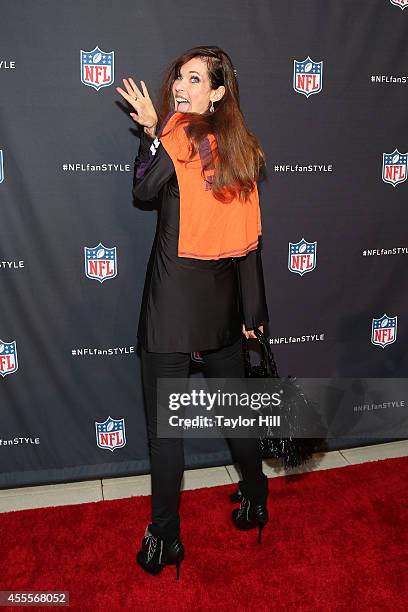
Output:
x=205 y=285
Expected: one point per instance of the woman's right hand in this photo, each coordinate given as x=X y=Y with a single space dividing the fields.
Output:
x=145 y=114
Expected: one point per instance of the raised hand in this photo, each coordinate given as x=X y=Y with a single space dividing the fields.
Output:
x=145 y=112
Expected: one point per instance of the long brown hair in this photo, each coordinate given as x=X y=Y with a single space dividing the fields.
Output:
x=239 y=156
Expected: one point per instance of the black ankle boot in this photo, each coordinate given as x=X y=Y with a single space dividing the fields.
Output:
x=158 y=551
x=252 y=511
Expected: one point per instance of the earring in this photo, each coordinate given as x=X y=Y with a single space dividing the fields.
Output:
x=212 y=107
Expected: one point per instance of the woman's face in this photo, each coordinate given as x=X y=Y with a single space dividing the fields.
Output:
x=192 y=91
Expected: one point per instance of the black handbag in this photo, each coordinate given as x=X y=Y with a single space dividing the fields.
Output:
x=294 y=450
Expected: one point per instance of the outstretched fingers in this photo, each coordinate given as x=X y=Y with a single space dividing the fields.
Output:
x=135 y=88
x=145 y=92
x=124 y=94
x=132 y=93
x=129 y=88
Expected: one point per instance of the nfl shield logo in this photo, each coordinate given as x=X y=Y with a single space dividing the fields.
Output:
x=1 y=167
x=384 y=330
x=8 y=357
x=394 y=168
x=302 y=256
x=100 y=262
x=401 y=3
x=97 y=68
x=307 y=76
x=111 y=433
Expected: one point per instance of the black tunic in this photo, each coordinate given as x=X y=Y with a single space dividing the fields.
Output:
x=190 y=304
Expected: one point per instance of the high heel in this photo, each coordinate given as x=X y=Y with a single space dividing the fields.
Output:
x=260 y=527
x=178 y=563
x=157 y=552
x=253 y=511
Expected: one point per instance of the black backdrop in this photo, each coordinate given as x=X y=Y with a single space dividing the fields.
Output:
x=66 y=175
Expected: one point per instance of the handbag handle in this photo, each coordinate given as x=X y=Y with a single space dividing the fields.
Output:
x=268 y=363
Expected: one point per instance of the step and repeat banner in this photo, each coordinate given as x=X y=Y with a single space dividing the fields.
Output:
x=323 y=86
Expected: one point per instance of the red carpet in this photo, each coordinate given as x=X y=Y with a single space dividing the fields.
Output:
x=337 y=540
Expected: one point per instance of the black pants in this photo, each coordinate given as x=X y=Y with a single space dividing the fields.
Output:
x=167 y=454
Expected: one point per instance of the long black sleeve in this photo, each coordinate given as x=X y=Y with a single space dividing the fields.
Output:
x=252 y=289
x=152 y=168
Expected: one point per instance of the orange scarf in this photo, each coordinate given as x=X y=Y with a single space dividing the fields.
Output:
x=209 y=229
